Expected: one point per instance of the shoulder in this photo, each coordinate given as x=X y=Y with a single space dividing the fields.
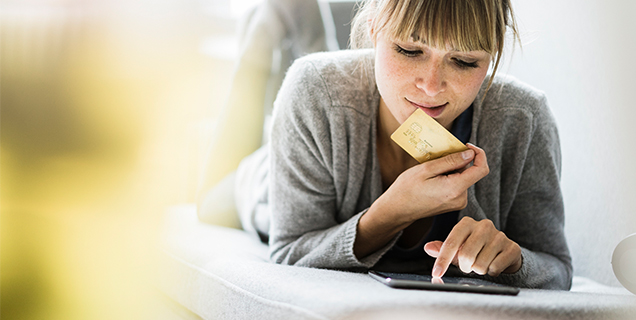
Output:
x=344 y=77
x=325 y=91
x=508 y=94
x=338 y=62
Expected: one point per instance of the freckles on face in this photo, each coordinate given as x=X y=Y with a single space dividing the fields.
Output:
x=390 y=77
x=443 y=83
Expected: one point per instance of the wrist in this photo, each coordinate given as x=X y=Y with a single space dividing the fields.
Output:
x=376 y=228
x=391 y=216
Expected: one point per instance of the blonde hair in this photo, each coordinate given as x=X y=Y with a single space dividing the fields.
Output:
x=465 y=25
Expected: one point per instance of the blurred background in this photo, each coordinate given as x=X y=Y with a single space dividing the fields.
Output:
x=108 y=106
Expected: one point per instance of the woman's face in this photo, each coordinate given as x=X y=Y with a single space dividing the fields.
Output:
x=441 y=82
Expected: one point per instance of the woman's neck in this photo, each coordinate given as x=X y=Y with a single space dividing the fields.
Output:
x=387 y=124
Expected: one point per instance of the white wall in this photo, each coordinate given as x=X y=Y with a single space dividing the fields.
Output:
x=582 y=53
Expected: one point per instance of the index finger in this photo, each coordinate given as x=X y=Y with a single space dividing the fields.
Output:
x=480 y=156
x=449 y=163
x=474 y=173
x=450 y=247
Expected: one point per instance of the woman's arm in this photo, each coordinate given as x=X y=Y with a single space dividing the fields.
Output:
x=536 y=218
x=524 y=192
x=423 y=191
x=305 y=195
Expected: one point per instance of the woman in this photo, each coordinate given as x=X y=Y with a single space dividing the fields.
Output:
x=342 y=195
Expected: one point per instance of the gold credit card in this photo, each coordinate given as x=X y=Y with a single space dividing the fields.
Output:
x=425 y=139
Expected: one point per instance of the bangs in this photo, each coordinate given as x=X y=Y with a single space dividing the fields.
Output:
x=462 y=25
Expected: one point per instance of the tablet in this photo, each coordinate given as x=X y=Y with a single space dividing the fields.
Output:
x=416 y=281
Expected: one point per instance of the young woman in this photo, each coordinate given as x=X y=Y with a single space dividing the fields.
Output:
x=338 y=193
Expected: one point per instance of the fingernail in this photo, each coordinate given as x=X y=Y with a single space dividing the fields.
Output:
x=467 y=154
x=437 y=272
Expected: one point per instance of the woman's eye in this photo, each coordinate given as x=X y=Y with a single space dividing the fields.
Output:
x=408 y=53
x=465 y=64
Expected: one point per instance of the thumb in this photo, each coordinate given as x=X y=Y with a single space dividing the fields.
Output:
x=432 y=248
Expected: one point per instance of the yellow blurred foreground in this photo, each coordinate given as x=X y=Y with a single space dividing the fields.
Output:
x=103 y=107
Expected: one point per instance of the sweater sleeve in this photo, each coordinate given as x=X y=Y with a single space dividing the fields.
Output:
x=535 y=219
x=304 y=229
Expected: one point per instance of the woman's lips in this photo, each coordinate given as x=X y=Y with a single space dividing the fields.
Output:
x=432 y=110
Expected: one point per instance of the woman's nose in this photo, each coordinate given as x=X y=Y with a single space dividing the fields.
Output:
x=431 y=79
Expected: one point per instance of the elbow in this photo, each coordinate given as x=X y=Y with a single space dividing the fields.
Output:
x=279 y=253
x=568 y=274
x=562 y=276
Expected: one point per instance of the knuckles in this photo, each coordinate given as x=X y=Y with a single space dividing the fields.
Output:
x=466 y=220
x=515 y=249
x=452 y=160
x=467 y=262
x=485 y=226
x=486 y=169
x=500 y=237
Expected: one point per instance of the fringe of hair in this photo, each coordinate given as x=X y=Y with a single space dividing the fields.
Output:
x=465 y=25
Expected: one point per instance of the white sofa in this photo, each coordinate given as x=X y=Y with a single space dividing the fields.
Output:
x=224 y=273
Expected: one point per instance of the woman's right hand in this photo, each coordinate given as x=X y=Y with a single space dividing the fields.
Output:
x=436 y=186
x=425 y=190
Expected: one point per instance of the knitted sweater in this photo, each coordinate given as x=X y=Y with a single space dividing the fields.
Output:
x=324 y=171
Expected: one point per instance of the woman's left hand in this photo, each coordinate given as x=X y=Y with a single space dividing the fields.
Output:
x=475 y=246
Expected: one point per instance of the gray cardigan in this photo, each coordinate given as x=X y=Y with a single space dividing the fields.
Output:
x=324 y=171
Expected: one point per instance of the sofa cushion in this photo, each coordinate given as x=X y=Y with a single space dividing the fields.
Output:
x=224 y=273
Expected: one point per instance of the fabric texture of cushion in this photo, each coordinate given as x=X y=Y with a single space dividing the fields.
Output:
x=224 y=273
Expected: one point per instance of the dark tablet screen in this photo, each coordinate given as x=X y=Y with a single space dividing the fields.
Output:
x=416 y=281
